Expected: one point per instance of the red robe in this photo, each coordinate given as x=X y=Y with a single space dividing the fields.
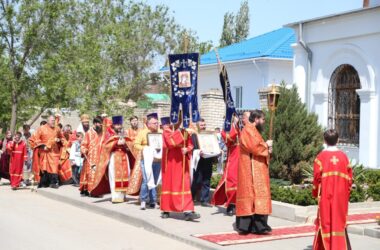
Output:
x=132 y=134
x=64 y=169
x=18 y=155
x=4 y=160
x=90 y=149
x=225 y=192
x=332 y=184
x=36 y=160
x=47 y=159
x=253 y=188
x=176 y=186
x=123 y=159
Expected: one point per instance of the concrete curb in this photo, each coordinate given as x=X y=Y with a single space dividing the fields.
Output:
x=370 y=232
x=305 y=214
x=131 y=220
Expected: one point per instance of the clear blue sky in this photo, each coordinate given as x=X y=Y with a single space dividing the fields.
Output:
x=206 y=16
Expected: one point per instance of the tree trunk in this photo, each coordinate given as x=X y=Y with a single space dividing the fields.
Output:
x=14 y=111
x=35 y=118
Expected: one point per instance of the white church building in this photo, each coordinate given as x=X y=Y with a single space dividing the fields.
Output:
x=333 y=60
x=251 y=65
x=336 y=67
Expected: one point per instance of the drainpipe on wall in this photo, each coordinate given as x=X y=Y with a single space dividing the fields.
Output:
x=309 y=59
x=261 y=73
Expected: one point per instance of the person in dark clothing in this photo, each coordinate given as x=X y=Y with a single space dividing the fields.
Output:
x=202 y=176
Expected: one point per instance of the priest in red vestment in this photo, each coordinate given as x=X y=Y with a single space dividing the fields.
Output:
x=225 y=193
x=17 y=151
x=176 y=185
x=64 y=168
x=132 y=133
x=90 y=149
x=253 y=198
x=114 y=163
x=332 y=185
x=46 y=143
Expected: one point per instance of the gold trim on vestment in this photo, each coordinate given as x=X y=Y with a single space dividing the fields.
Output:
x=173 y=142
x=118 y=200
x=336 y=173
x=175 y=193
x=319 y=163
x=325 y=235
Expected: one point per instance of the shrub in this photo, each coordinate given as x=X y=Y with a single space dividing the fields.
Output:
x=359 y=173
x=215 y=180
x=297 y=136
x=374 y=191
x=298 y=173
x=293 y=195
x=279 y=182
x=371 y=176
x=358 y=194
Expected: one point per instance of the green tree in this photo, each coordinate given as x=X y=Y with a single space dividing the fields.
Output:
x=32 y=33
x=119 y=44
x=242 y=22
x=188 y=41
x=228 y=32
x=89 y=55
x=235 y=27
x=297 y=136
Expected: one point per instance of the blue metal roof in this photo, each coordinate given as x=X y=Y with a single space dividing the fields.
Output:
x=274 y=44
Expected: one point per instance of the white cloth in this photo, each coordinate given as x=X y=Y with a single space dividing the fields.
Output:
x=194 y=162
x=80 y=128
x=149 y=154
x=116 y=196
x=331 y=148
x=75 y=154
x=219 y=169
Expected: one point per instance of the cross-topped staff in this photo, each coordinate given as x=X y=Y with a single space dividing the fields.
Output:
x=272 y=97
x=222 y=71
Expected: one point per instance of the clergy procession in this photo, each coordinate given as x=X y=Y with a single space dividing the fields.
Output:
x=168 y=162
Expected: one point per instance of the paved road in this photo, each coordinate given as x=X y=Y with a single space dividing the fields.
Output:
x=31 y=221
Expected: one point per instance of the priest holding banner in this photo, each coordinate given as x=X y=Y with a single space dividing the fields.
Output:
x=225 y=193
x=177 y=146
x=176 y=185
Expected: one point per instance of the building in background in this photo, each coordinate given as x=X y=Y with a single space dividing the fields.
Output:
x=336 y=69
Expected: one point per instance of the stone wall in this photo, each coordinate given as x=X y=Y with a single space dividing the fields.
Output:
x=263 y=97
x=161 y=108
x=67 y=117
x=213 y=108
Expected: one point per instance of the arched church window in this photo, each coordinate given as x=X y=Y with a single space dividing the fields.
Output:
x=344 y=104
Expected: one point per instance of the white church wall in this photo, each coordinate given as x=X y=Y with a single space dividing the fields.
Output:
x=352 y=39
x=251 y=75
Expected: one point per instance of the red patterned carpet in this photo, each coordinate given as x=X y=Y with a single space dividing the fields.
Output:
x=278 y=233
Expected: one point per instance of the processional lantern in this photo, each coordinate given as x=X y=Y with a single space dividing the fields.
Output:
x=272 y=97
